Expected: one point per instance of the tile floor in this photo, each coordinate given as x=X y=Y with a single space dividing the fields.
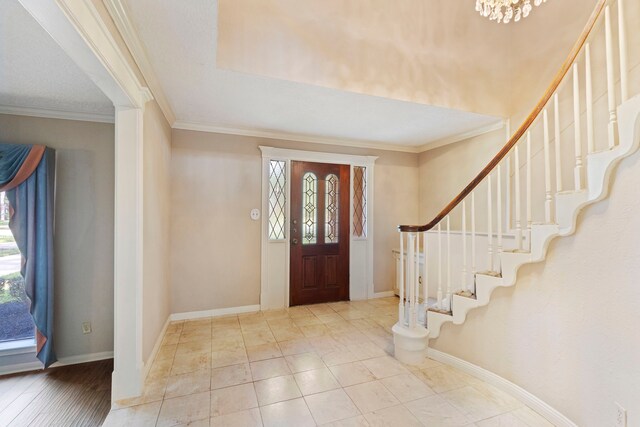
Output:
x=326 y=364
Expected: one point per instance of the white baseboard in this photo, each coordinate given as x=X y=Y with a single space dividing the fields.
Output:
x=154 y=351
x=545 y=410
x=384 y=294
x=63 y=361
x=215 y=312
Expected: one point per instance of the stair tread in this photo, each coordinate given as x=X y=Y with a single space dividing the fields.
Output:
x=490 y=273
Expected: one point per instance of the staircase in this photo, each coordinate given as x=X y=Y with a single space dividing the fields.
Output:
x=515 y=196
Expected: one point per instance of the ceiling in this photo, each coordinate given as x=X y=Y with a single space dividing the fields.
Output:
x=37 y=76
x=181 y=44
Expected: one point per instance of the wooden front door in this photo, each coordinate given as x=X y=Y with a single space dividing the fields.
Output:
x=319 y=233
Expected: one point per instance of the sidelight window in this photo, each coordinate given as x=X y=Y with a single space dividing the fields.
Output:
x=360 y=201
x=277 y=199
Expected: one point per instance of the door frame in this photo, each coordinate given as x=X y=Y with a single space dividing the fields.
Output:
x=275 y=254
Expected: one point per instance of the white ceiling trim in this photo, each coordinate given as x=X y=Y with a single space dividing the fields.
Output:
x=179 y=124
x=293 y=137
x=56 y=114
x=120 y=16
x=500 y=124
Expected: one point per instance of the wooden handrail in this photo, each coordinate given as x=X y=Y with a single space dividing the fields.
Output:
x=524 y=127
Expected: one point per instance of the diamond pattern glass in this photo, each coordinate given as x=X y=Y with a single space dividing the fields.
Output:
x=332 y=191
x=309 y=208
x=277 y=199
x=359 y=201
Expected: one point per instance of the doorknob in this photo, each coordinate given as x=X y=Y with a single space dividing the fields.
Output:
x=294 y=222
x=294 y=241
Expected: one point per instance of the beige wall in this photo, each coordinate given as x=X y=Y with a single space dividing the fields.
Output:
x=215 y=246
x=84 y=226
x=157 y=185
x=567 y=332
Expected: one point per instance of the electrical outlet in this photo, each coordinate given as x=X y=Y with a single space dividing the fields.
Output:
x=86 y=327
x=621 y=416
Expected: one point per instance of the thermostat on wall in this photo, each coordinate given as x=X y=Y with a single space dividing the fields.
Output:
x=255 y=214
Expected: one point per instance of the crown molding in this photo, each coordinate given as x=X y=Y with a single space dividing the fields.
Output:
x=121 y=17
x=462 y=136
x=200 y=127
x=179 y=124
x=56 y=114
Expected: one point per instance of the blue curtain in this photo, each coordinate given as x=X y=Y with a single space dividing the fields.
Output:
x=32 y=225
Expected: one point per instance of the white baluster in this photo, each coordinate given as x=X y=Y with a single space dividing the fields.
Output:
x=556 y=129
x=402 y=283
x=577 y=129
x=528 y=193
x=499 y=214
x=611 y=92
x=411 y=267
x=448 y=263
x=589 y=99
x=415 y=290
x=439 y=295
x=464 y=246
x=490 y=223
x=425 y=277
x=547 y=170
x=517 y=197
x=508 y=189
x=474 y=269
x=622 y=41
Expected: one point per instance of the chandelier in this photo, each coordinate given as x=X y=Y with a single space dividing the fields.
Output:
x=506 y=10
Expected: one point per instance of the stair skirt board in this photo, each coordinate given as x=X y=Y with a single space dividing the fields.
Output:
x=567 y=207
x=543 y=409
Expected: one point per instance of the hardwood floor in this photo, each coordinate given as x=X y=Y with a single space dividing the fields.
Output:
x=76 y=395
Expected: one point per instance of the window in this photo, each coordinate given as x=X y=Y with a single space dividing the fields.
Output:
x=360 y=201
x=309 y=208
x=332 y=190
x=17 y=323
x=277 y=199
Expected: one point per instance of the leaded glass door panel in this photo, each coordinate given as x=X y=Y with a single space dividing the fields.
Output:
x=319 y=233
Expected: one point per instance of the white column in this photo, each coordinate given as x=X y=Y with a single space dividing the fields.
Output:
x=128 y=262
